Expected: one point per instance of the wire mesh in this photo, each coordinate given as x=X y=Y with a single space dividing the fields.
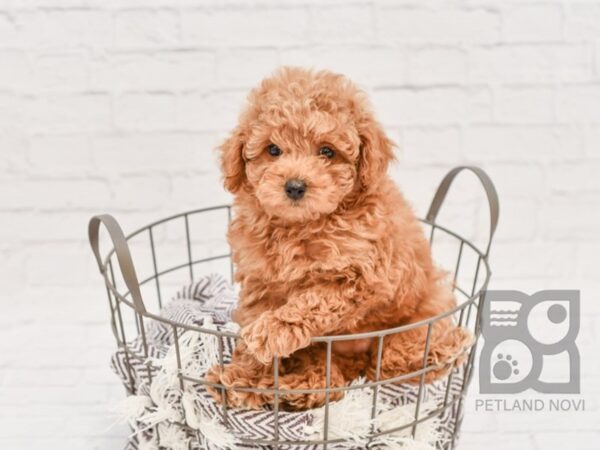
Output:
x=469 y=286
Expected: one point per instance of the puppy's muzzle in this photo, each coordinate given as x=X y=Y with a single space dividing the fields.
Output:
x=295 y=189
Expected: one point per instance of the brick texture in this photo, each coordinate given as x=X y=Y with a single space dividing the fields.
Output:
x=117 y=106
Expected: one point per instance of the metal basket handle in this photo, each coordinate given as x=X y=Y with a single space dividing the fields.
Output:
x=490 y=190
x=123 y=255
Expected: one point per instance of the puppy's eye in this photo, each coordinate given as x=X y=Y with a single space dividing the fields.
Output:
x=274 y=150
x=326 y=151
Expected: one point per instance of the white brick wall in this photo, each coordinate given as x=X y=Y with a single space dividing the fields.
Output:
x=117 y=106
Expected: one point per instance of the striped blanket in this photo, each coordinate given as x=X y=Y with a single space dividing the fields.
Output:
x=165 y=415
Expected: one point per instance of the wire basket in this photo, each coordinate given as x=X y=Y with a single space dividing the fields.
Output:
x=170 y=258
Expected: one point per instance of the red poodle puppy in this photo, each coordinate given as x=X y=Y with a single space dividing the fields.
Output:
x=324 y=244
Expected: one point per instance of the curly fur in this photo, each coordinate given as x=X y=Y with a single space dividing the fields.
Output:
x=349 y=257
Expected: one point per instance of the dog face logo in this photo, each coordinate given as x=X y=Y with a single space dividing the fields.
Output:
x=306 y=142
x=523 y=336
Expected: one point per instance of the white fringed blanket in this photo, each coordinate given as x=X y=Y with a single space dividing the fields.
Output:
x=160 y=407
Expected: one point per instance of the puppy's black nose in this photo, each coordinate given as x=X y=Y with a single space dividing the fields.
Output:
x=295 y=189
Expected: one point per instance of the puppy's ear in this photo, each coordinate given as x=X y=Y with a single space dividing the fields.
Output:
x=232 y=161
x=376 y=152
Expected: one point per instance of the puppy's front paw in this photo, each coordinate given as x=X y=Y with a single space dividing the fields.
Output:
x=233 y=376
x=269 y=336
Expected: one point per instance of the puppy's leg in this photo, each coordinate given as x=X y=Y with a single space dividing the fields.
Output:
x=244 y=371
x=306 y=369
x=404 y=352
x=319 y=311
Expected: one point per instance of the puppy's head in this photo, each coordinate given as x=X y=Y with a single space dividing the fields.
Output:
x=305 y=142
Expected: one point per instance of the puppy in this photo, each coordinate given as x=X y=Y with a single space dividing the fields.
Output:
x=324 y=244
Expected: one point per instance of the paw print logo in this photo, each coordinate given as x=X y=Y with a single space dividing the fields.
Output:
x=505 y=367
x=520 y=333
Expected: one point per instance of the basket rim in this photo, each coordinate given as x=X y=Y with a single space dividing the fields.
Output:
x=470 y=298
